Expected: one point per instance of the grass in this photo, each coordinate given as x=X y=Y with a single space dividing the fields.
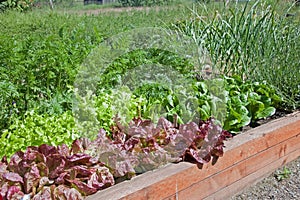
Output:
x=255 y=41
x=79 y=5
x=49 y=22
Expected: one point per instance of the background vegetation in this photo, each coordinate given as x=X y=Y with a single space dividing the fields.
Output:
x=254 y=48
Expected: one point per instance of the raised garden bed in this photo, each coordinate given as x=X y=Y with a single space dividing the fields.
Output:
x=248 y=157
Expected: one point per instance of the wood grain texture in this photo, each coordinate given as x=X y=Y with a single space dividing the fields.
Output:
x=248 y=157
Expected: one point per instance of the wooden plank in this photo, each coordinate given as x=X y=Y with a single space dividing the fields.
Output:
x=175 y=179
x=214 y=182
x=236 y=172
x=253 y=178
x=253 y=148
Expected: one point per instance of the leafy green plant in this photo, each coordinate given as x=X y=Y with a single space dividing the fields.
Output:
x=38 y=129
x=120 y=102
x=151 y=99
x=123 y=64
x=52 y=172
x=253 y=40
x=88 y=166
x=233 y=102
x=19 y=5
x=248 y=102
x=40 y=53
x=8 y=108
x=212 y=98
x=283 y=174
x=156 y=99
x=236 y=103
x=41 y=65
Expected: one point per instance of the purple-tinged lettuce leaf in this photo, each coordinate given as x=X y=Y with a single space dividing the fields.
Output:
x=130 y=144
x=80 y=145
x=217 y=151
x=118 y=135
x=167 y=131
x=61 y=179
x=32 y=155
x=149 y=144
x=4 y=160
x=224 y=135
x=82 y=187
x=22 y=168
x=81 y=171
x=193 y=156
x=12 y=177
x=14 y=192
x=44 y=194
x=163 y=123
x=118 y=161
x=78 y=159
x=150 y=160
x=3 y=168
x=140 y=122
x=207 y=144
x=13 y=165
x=44 y=181
x=141 y=128
x=43 y=169
x=73 y=194
x=123 y=168
x=63 y=150
x=47 y=150
x=93 y=161
x=62 y=192
x=4 y=189
x=56 y=164
x=31 y=179
x=101 y=178
x=189 y=131
x=77 y=146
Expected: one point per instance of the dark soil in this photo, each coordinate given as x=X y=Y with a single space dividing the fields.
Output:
x=278 y=114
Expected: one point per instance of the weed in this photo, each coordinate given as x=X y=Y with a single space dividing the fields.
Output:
x=283 y=174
